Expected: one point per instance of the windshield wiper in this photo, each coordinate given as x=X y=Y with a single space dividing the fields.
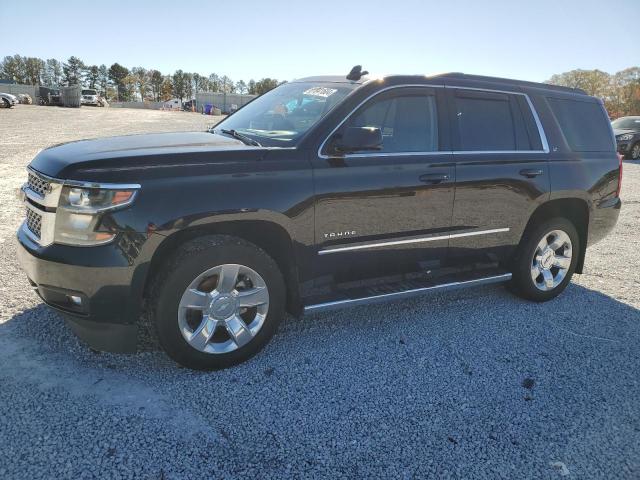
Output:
x=243 y=138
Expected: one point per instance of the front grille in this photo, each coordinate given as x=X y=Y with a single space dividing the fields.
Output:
x=34 y=222
x=38 y=185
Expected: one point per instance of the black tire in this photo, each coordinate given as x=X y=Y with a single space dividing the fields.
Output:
x=190 y=261
x=635 y=149
x=522 y=283
x=6 y=103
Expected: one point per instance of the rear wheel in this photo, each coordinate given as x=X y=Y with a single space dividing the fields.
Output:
x=219 y=302
x=546 y=260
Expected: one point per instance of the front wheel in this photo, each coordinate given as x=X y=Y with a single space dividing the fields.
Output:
x=546 y=259
x=6 y=103
x=218 y=303
x=634 y=154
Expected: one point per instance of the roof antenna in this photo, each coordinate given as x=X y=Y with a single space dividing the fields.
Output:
x=356 y=73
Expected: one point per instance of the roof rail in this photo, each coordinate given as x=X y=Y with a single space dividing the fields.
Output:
x=547 y=86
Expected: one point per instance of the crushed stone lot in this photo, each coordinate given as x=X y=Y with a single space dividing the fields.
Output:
x=468 y=384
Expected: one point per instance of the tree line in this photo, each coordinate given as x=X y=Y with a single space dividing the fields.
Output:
x=123 y=84
x=620 y=91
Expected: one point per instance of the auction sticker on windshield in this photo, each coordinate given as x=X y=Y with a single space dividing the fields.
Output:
x=320 y=92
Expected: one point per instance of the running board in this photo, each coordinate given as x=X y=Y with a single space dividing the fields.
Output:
x=414 y=292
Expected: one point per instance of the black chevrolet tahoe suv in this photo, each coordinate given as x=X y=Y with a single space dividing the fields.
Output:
x=325 y=192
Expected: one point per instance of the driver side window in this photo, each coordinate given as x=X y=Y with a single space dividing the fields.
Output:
x=408 y=122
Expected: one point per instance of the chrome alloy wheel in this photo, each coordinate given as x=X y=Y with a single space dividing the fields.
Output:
x=551 y=260
x=635 y=151
x=223 y=308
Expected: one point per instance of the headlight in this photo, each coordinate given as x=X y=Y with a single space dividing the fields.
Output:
x=80 y=211
x=95 y=200
x=626 y=136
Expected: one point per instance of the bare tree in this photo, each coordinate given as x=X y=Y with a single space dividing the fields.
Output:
x=241 y=87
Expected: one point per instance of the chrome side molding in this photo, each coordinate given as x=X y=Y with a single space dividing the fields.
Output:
x=390 y=243
x=322 y=307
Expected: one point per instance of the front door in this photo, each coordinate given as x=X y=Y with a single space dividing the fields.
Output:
x=389 y=211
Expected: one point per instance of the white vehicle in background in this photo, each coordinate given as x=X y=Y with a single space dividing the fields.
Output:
x=89 y=97
x=7 y=100
x=173 y=104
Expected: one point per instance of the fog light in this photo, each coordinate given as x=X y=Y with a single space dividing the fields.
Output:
x=75 y=299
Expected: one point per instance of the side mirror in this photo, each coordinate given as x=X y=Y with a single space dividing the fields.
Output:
x=356 y=139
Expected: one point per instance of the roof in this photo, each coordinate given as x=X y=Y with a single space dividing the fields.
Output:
x=452 y=75
x=332 y=79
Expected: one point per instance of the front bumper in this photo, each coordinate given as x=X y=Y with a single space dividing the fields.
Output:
x=90 y=286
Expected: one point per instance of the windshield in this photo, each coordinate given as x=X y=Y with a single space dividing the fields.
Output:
x=280 y=117
x=627 y=123
x=88 y=92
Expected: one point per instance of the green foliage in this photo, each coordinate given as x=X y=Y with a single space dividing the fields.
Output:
x=252 y=87
x=179 y=87
x=28 y=70
x=14 y=68
x=264 y=85
x=117 y=73
x=72 y=71
x=103 y=80
x=91 y=76
x=214 y=83
x=53 y=73
x=155 y=80
x=142 y=82
x=34 y=70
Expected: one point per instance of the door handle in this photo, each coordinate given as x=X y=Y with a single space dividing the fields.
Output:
x=531 y=172
x=434 y=177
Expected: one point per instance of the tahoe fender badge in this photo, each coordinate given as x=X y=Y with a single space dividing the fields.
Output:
x=349 y=233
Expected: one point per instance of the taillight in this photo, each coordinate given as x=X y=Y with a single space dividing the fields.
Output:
x=620 y=157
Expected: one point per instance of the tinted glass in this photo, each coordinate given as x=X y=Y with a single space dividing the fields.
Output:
x=485 y=122
x=408 y=122
x=584 y=124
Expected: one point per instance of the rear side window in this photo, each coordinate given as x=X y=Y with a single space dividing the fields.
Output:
x=489 y=121
x=584 y=124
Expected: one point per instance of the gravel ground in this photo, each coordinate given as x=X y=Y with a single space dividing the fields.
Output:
x=470 y=384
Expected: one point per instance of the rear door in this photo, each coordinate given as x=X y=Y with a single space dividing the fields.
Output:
x=502 y=172
x=388 y=211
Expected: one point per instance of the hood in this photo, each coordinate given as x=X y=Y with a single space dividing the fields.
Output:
x=13 y=97
x=622 y=131
x=132 y=152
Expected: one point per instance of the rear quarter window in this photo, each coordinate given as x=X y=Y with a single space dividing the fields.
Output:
x=584 y=124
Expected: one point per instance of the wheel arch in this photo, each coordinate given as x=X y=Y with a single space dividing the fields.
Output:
x=269 y=236
x=575 y=210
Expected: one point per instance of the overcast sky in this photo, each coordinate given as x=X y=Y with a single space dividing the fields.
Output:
x=285 y=40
